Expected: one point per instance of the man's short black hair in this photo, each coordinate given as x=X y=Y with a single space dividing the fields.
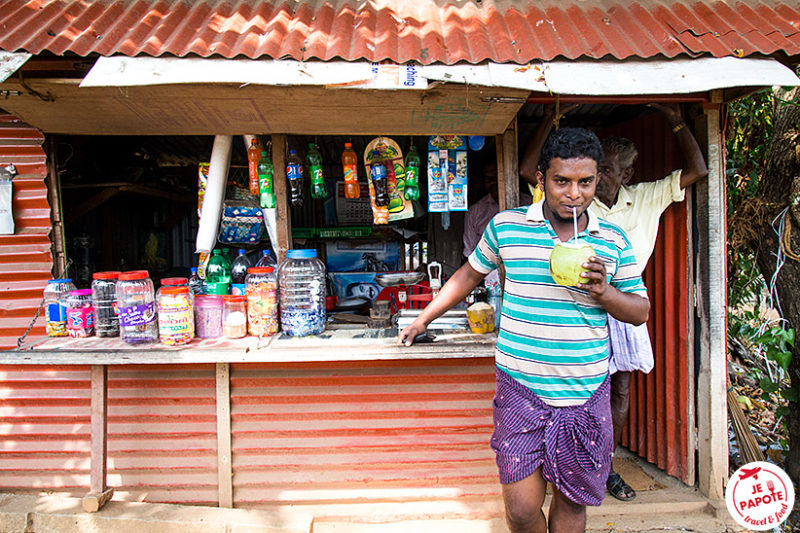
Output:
x=568 y=143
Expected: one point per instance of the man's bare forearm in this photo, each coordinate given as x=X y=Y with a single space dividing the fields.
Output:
x=456 y=289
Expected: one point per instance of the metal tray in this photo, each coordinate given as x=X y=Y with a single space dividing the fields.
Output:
x=393 y=279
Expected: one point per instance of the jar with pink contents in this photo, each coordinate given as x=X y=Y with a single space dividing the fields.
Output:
x=208 y=316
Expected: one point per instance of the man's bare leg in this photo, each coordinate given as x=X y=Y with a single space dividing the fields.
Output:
x=565 y=515
x=523 y=502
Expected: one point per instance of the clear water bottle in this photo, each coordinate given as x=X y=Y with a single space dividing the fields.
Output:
x=267 y=260
x=195 y=283
x=138 y=323
x=301 y=289
x=240 y=266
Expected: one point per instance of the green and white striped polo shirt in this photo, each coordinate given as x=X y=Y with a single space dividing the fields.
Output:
x=552 y=339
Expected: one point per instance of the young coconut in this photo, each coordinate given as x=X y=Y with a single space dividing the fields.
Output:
x=566 y=262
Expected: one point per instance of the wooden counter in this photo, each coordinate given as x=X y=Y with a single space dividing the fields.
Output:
x=337 y=343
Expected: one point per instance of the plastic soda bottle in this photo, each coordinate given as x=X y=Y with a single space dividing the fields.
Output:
x=240 y=266
x=378 y=175
x=195 y=283
x=253 y=155
x=218 y=274
x=412 y=174
x=266 y=259
x=314 y=160
x=294 y=173
x=265 y=185
x=350 y=167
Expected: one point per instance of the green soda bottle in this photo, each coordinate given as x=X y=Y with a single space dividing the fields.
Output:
x=412 y=174
x=314 y=161
x=265 y=187
x=218 y=273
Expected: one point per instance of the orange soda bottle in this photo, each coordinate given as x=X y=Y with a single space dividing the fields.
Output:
x=253 y=155
x=350 y=166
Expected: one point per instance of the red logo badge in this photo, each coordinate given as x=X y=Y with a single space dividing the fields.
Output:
x=760 y=496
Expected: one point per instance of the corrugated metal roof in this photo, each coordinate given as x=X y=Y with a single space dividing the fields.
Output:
x=427 y=31
x=25 y=258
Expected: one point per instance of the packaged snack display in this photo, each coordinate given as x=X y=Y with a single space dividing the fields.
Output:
x=175 y=315
x=234 y=317
x=104 y=301
x=55 y=303
x=208 y=316
x=262 y=301
x=80 y=313
x=137 y=308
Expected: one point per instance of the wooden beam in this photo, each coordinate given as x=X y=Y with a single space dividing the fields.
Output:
x=712 y=438
x=99 y=493
x=508 y=168
x=224 y=455
x=54 y=197
x=284 y=214
x=231 y=109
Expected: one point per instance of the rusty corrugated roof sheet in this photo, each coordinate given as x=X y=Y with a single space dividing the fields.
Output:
x=427 y=31
x=25 y=258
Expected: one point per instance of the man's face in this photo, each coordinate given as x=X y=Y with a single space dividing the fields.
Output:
x=611 y=175
x=568 y=184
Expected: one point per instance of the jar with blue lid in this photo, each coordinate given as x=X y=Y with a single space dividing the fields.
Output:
x=301 y=290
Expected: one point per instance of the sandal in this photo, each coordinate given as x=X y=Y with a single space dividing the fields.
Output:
x=618 y=488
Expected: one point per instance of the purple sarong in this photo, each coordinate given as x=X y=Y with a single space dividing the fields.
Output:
x=573 y=445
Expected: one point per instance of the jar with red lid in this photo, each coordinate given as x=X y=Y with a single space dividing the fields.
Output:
x=262 y=301
x=80 y=314
x=137 y=308
x=104 y=301
x=234 y=316
x=175 y=315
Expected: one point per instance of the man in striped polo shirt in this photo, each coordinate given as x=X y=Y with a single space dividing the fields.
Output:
x=552 y=420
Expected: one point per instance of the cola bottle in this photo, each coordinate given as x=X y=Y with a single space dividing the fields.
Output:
x=350 y=168
x=378 y=176
x=294 y=173
x=412 y=174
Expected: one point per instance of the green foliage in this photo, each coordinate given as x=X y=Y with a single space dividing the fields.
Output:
x=749 y=134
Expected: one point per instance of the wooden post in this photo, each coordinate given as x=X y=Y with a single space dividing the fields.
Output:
x=224 y=456
x=54 y=197
x=284 y=215
x=712 y=438
x=508 y=168
x=99 y=493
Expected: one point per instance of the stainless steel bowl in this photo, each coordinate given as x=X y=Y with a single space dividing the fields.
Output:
x=393 y=279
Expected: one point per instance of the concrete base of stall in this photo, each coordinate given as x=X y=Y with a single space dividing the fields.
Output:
x=671 y=505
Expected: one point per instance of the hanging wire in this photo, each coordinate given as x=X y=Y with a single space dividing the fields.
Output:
x=774 y=300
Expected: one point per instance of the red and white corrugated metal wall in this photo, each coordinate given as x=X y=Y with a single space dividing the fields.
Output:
x=305 y=434
x=660 y=418
x=25 y=257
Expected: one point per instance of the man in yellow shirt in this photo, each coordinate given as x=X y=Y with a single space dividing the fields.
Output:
x=637 y=210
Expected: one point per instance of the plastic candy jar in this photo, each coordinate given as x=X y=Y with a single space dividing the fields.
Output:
x=262 y=301
x=137 y=308
x=104 y=301
x=80 y=313
x=55 y=302
x=208 y=316
x=301 y=282
x=175 y=316
x=234 y=316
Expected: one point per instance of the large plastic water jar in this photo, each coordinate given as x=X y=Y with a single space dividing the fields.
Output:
x=301 y=289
